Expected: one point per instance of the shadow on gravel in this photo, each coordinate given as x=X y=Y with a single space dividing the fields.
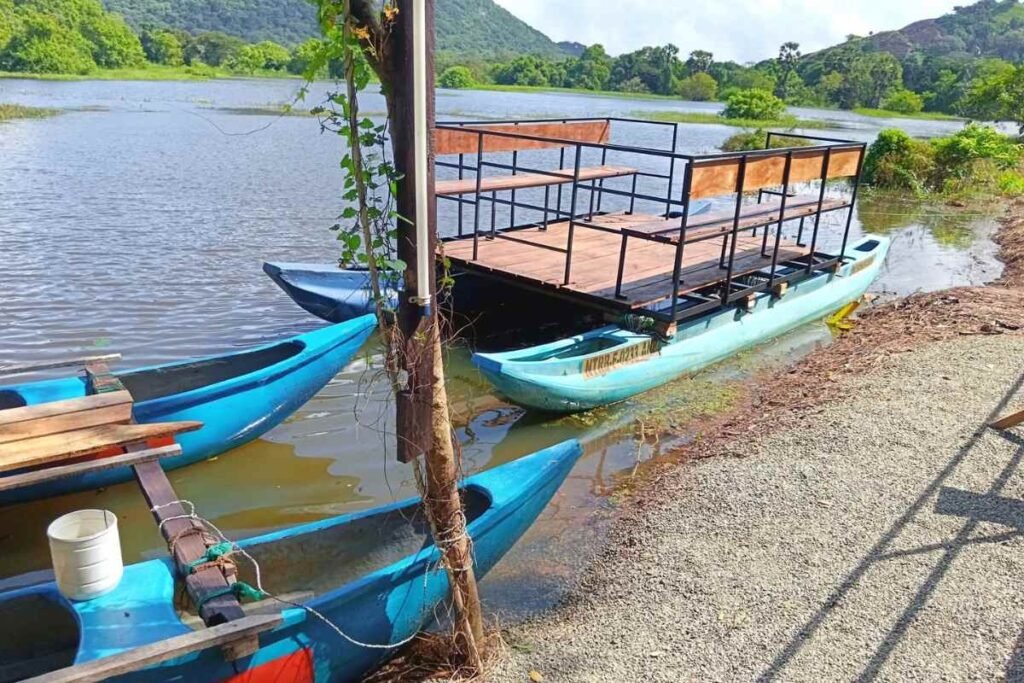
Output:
x=976 y=508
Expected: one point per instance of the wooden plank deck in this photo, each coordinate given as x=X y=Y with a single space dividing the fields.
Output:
x=647 y=276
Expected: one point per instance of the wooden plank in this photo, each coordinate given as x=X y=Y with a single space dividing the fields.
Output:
x=719 y=177
x=187 y=546
x=163 y=651
x=1009 y=421
x=527 y=180
x=747 y=261
x=101 y=380
x=20 y=368
x=65 y=416
x=43 y=450
x=722 y=222
x=17 y=481
x=53 y=408
x=466 y=139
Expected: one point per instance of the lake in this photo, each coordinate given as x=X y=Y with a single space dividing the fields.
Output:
x=137 y=221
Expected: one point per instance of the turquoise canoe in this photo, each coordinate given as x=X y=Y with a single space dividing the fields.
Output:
x=375 y=574
x=569 y=376
x=237 y=396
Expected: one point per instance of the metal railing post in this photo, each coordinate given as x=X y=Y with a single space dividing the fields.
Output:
x=782 y=219
x=476 y=196
x=512 y=210
x=741 y=181
x=821 y=203
x=572 y=214
x=853 y=202
x=678 y=263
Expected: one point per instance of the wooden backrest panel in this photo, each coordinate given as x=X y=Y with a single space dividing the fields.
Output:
x=466 y=140
x=718 y=177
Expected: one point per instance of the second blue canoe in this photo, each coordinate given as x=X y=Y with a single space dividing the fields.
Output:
x=237 y=396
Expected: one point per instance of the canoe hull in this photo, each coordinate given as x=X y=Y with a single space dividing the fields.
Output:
x=384 y=607
x=326 y=291
x=554 y=378
x=233 y=412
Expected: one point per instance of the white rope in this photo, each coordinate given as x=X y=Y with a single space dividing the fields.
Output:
x=192 y=516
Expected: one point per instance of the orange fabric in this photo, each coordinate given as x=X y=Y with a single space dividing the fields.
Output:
x=294 y=668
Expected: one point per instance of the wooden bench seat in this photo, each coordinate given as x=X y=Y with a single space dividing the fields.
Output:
x=528 y=180
x=720 y=223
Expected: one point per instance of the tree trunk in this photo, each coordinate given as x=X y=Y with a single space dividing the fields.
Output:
x=424 y=423
x=449 y=521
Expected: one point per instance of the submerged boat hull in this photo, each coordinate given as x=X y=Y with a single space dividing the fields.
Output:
x=612 y=364
x=383 y=607
x=280 y=378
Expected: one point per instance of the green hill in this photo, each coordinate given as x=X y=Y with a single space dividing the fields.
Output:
x=468 y=27
x=987 y=29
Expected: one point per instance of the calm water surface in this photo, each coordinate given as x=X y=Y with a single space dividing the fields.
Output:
x=137 y=221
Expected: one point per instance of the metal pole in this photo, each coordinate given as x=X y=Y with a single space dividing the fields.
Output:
x=572 y=214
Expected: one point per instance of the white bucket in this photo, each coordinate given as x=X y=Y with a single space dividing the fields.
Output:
x=86 y=553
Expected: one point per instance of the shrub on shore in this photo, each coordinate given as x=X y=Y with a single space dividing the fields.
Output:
x=758 y=139
x=759 y=105
x=976 y=160
x=456 y=78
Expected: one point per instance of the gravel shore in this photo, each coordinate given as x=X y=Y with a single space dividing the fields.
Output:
x=878 y=539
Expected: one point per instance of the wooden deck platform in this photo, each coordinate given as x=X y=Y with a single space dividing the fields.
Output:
x=647 y=276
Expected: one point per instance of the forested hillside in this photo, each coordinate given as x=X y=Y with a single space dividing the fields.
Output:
x=468 y=27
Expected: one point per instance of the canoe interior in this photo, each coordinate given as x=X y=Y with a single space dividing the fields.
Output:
x=147 y=385
x=327 y=559
x=37 y=635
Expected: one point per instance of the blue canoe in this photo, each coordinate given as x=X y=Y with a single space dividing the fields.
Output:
x=611 y=364
x=327 y=291
x=237 y=396
x=375 y=574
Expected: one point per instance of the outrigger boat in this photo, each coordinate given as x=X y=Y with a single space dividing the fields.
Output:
x=237 y=396
x=612 y=364
x=622 y=230
x=382 y=584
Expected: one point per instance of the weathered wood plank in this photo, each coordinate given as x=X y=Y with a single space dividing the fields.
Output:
x=16 y=415
x=187 y=545
x=466 y=140
x=527 y=180
x=722 y=222
x=21 y=368
x=17 y=481
x=43 y=450
x=17 y=424
x=163 y=651
x=720 y=177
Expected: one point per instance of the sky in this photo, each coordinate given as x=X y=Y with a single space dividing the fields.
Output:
x=740 y=30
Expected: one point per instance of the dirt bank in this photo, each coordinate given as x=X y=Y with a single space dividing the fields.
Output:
x=868 y=527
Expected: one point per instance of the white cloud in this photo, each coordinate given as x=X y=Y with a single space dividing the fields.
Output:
x=743 y=30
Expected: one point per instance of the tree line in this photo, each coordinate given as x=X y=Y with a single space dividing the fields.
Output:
x=80 y=36
x=847 y=77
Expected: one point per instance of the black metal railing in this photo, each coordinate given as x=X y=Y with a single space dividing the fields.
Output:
x=593 y=192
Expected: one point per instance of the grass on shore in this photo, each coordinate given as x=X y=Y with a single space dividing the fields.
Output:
x=9 y=112
x=921 y=116
x=150 y=72
x=786 y=122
